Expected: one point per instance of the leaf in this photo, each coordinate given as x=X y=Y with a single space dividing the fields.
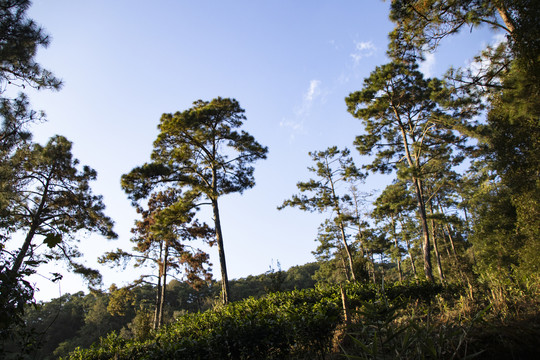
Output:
x=52 y=240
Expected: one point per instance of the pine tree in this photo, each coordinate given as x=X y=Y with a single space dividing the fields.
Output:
x=332 y=166
x=408 y=124
x=55 y=204
x=162 y=237
x=201 y=149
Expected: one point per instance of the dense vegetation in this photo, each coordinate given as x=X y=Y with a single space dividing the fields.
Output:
x=443 y=265
x=78 y=320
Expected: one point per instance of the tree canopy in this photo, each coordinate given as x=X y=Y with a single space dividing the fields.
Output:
x=202 y=150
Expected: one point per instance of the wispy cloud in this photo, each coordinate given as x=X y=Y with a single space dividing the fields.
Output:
x=313 y=91
x=362 y=49
x=302 y=111
x=480 y=64
x=498 y=39
x=333 y=44
x=427 y=66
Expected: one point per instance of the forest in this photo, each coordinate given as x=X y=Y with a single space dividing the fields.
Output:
x=443 y=264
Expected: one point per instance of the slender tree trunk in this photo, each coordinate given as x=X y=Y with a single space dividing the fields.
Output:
x=458 y=260
x=164 y=285
x=438 y=256
x=373 y=268
x=36 y=219
x=435 y=246
x=420 y=199
x=413 y=266
x=221 y=251
x=360 y=237
x=345 y=305
x=158 y=289
x=448 y=230
x=398 y=257
x=398 y=262
x=342 y=228
x=443 y=237
x=24 y=249
x=344 y=267
x=347 y=250
x=425 y=230
x=158 y=304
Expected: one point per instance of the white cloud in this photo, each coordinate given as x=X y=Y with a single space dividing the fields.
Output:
x=313 y=91
x=480 y=64
x=427 y=66
x=295 y=126
x=362 y=49
x=498 y=39
x=302 y=111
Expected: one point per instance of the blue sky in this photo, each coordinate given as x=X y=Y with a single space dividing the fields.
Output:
x=290 y=64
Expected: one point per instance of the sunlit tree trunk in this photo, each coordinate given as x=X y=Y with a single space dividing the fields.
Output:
x=164 y=285
x=158 y=288
x=435 y=245
x=398 y=256
x=413 y=265
x=342 y=228
x=221 y=252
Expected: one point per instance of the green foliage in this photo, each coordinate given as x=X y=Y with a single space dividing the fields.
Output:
x=21 y=37
x=504 y=204
x=201 y=149
x=322 y=194
x=54 y=203
x=161 y=237
x=296 y=325
x=382 y=333
x=55 y=328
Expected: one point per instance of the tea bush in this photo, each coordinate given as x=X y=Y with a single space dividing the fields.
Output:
x=298 y=325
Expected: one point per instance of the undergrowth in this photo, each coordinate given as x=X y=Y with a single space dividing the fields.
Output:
x=411 y=321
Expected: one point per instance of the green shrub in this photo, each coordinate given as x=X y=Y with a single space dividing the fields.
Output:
x=297 y=325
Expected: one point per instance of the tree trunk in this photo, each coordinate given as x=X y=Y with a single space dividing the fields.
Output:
x=347 y=250
x=398 y=262
x=342 y=228
x=435 y=246
x=221 y=251
x=360 y=237
x=438 y=256
x=373 y=268
x=158 y=289
x=36 y=219
x=448 y=230
x=398 y=257
x=508 y=21
x=413 y=266
x=164 y=285
x=425 y=230
x=421 y=202
x=344 y=266
x=24 y=249
x=345 y=305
